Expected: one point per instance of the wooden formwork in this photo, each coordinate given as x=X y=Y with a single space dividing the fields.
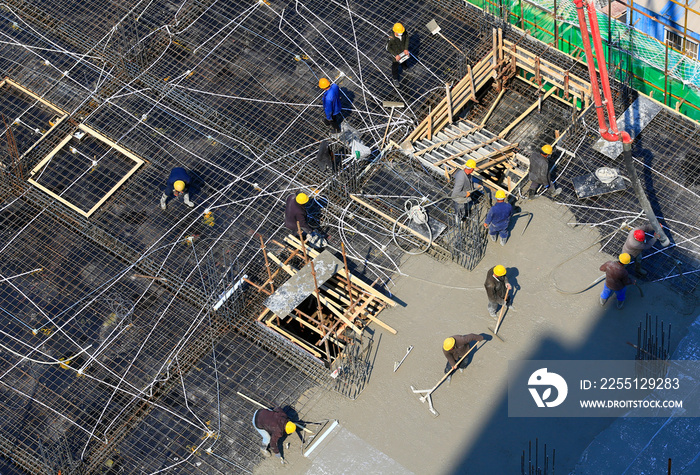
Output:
x=501 y=63
x=345 y=302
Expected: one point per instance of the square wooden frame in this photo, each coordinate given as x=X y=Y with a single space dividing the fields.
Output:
x=62 y=114
x=93 y=133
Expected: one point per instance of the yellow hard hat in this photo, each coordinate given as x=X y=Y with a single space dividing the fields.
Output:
x=398 y=29
x=471 y=163
x=500 y=195
x=302 y=198
x=324 y=83
x=290 y=427
x=625 y=258
x=179 y=185
x=499 y=270
x=547 y=149
x=448 y=344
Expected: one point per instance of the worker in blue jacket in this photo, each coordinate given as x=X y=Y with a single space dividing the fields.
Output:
x=331 y=104
x=498 y=218
x=178 y=184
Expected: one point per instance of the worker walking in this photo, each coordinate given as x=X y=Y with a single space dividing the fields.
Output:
x=464 y=187
x=331 y=104
x=178 y=184
x=498 y=218
x=455 y=347
x=496 y=284
x=273 y=425
x=616 y=279
x=295 y=212
x=397 y=46
x=638 y=242
x=539 y=172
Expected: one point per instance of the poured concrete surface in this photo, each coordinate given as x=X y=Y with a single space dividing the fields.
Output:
x=473 y=433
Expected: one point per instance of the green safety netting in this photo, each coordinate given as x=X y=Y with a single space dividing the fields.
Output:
x=644 y=62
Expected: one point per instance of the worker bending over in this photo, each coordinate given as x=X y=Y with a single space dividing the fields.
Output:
x=295 y=212
x=616 y=279
x=638 y=242
x=273 y=425
x=498 y=218
x=397 y=46
x=496 y=284
x=331 y=104
x=539 y=172
x=463 y=191
x=178 y=184
x=455 y=347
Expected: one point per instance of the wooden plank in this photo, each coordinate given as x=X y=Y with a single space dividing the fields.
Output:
x=376 y=320
x=448 y=97
x=472 y=91
x=493 y=107
x=30 y=93
x=555 y=96
x=526 y=113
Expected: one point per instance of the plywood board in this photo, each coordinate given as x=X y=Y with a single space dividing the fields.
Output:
x=301 y=285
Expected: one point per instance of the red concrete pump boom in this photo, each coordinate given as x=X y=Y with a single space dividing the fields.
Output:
x=608 y=130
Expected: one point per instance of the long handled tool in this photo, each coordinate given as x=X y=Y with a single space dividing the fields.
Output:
x=500 y=316
x=435 y=30
x=393 y=105
x=428 y=392
x=262 y=406
x=397 y=365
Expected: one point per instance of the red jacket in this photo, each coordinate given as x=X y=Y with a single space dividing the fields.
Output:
x=616 y=276
x=273 y=422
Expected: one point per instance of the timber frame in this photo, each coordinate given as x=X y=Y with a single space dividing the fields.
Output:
x=346 y=303
x=93 y=133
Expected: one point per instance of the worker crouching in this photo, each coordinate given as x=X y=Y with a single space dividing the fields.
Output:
x=178 y=184
x=273 y=425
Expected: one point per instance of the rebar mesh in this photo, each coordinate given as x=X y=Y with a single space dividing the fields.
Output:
x=126 y=335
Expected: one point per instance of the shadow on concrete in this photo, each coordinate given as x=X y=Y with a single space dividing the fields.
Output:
x=503 y=439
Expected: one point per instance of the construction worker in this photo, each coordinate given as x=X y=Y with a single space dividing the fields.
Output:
x=638 y=242
x=273 y=425
x=331 y=104
x=498 y=218
x=496 y=284
x=539 y=172
x=295 y=212
x=465 y=185
x=616 y=279
x=455 y=347
x=178 y=184
x=397 y=46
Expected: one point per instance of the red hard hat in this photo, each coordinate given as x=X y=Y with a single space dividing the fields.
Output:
x=639 y=235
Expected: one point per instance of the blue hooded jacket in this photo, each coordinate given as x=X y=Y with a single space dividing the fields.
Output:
x=331 y=101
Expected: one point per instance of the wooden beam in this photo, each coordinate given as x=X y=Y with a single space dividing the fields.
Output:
x=448 y=96
x=295 y=340
x=493 y=107
x=526 y=113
